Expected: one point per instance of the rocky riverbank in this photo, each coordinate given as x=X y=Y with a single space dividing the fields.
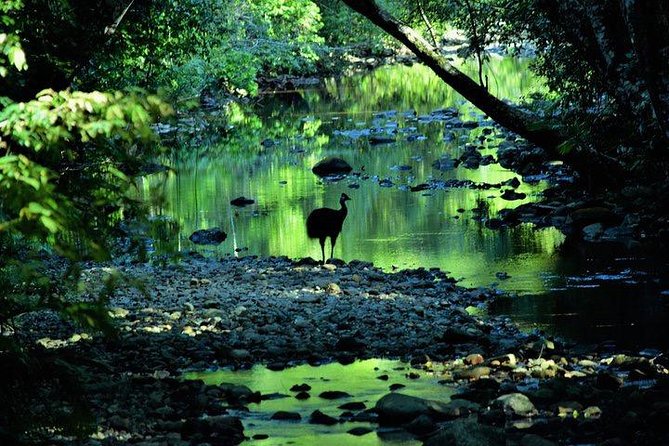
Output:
x=511 y=387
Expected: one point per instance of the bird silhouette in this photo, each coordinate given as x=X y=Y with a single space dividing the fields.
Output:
x=325 y=222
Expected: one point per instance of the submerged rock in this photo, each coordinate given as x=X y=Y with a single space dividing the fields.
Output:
x=212 y=236
x=331 y=166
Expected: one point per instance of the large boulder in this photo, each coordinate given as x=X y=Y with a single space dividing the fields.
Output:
x=331 y=166
x=212 y=236
x=397 y=408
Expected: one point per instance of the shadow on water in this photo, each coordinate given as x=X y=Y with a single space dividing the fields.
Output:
x=267 y=153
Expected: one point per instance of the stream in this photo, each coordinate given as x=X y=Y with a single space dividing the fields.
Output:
x=266 y=153
x=596 y=294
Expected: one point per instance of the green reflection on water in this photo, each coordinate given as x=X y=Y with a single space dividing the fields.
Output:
x=387 y=226
x=358 y=379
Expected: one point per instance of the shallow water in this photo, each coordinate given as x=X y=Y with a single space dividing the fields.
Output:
x=573 y=294
x=358 y=379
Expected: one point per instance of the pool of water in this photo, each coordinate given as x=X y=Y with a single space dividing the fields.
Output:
x=359 y=379
x=266 y=153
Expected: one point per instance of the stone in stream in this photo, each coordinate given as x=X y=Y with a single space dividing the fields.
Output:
x=213 y=236
x=397 y=408
x=515 y=404
x=333 y=395
x=239 y=394
x=300 y=387
x=512 y=195
x=241 y=201
x=331 y=166
x=359 y=431
x=282 y=415
x=353 y=405
x=318 y=417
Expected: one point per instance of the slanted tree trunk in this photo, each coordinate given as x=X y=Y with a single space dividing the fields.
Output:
x=525 y=124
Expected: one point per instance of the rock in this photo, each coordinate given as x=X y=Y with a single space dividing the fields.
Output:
x=286 y=416
x=421 y=425
x=318 y=417
x=302 y=396
x=241 y=201
x=375 y=140
x=466 y=432
x=212 y=236
x=592 y=412
x=420 y=187
x=592 y=232
x=512 y=195
x=222 y=427
x=300 y=388
x=333 y=395
x=506 y=361
x=240 y=354
x=353 y=405
x=359 y=431
x=461 y=335
x=333 y=288
x=472 y=374
x=515 y=404
x=395 y=408
x=331 y=166
x=239 y=394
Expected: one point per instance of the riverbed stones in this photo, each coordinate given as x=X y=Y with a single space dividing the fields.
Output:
x=257 y=300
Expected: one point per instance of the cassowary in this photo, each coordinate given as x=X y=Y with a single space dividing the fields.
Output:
x=325 y=222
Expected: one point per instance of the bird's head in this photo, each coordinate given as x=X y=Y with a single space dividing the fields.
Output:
x=344 y=198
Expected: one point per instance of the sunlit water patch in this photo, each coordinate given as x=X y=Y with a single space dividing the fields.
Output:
x=360 y=380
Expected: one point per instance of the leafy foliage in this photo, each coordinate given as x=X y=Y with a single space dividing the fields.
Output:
x=67 y=165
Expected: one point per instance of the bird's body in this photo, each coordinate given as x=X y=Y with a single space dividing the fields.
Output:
x=325 y=222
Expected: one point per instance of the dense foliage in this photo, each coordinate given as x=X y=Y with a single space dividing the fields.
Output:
x=67 y=166
x=604 y=61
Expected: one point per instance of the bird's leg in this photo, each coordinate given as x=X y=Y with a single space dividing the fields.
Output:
x=333 y=240
x=323 y=248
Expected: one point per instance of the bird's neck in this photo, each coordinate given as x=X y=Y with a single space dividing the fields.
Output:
x=344 y=209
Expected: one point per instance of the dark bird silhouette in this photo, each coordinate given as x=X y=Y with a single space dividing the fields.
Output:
x=325 y=222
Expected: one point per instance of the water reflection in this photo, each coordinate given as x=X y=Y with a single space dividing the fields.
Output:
x=268 y=156
x=267 y=153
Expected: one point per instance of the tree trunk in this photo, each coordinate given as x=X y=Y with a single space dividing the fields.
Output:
x=528 y=126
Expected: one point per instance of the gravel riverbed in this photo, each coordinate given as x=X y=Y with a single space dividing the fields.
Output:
x=511 y=387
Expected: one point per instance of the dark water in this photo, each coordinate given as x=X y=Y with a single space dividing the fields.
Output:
x=267 y=153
